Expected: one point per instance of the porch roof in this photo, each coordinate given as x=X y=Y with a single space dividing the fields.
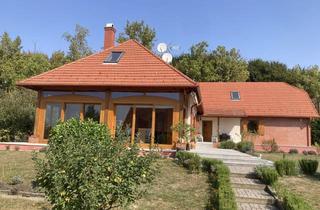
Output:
x=138 y=67
x=257 y=99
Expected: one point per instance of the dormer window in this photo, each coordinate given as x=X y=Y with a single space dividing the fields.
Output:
x=235 y=95
x=114 y=57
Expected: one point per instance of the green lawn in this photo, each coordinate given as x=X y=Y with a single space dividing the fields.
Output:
x=305 y=186
x=173 y=187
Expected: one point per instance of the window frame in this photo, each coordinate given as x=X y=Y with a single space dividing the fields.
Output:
x=108 y=59
x=232 y=97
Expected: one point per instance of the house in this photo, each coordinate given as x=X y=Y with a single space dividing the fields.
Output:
x=257 y=111
x=129 y=86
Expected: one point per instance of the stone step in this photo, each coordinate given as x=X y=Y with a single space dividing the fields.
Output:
x=246 y=163
x=246 y=183
x=253 y=196
x=241 y=170
x=251 y=206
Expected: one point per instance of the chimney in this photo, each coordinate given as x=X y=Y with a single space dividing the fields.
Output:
x=109 y=35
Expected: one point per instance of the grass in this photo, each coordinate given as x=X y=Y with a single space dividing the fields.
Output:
x=173 y=186
x=306 y=186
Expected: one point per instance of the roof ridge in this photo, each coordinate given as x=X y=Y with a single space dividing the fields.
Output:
x=170 y=66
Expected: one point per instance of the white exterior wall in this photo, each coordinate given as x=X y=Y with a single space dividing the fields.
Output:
x=230 y=126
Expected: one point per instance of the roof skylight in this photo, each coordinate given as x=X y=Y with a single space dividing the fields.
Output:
x=235 y=95
x=114 y=57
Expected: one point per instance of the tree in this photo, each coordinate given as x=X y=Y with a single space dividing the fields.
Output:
x=78 y=45
x=219 y=65
x=86 y=168
x=57 y=59
x=139 y=31
x=264 y=71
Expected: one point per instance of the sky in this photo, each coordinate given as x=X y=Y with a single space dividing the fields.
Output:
x=281 y=30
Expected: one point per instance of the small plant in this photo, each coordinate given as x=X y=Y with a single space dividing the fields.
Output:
x=305 y=152
x=286 y=167
x=7 y=147
x=308 y=166
x=270 y=145
x=245 y=146
x=4 y=135
x=190 y=161
x=16 y=148
x=293 y=151
x=267 y=175
x=227 y=145
x=224 y=137
x=15 y=180
x=311 y=152
x=184 y=130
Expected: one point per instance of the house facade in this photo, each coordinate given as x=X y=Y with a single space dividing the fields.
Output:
x=129 y=86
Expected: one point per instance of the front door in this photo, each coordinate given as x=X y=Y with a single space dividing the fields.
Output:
x=207 y=130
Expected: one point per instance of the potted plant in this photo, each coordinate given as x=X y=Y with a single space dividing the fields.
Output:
x=185 y=132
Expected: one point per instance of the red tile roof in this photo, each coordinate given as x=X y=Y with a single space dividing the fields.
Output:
x=268 y=99
x=138 y=67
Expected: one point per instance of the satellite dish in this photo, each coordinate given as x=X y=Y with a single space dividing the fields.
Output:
x=167 y=57
x=162 y=47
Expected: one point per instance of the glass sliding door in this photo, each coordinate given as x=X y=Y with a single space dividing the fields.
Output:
x=124 y=114
x=53 y=112
x=72 y=111
x=163 y=124
x=92 y=111
x=143 y=124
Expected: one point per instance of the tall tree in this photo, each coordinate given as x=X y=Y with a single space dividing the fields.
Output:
x=218 y=65
x=139 y=31
x=261 y=70
x=57 y=59
x=78 y=44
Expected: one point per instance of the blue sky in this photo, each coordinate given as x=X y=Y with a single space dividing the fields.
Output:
x=282 y=30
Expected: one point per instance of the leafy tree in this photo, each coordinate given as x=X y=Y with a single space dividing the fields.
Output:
x=86 y=168
x=139 y=31
x=263 y=71
x=219 y=65
x=17 y=109
x=57 y=59
x=78 y=45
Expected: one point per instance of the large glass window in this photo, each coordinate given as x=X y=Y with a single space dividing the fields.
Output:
x=143 y=124
x=124 y=115
x=163 y=124
x=174 y=96
x=72 y=111
x=100 y=95
x=52 y=117
x=92 y=111
x=125 y=94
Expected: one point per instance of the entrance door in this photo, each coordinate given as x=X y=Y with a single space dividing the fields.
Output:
x=207 y=130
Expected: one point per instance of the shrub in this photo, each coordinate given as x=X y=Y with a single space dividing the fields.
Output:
x=245 y=146
x=308 y=166
x=15 y=180
x=226 y=197
x=311 y=152
x=285 y=167
x=227 y=145
x=86 y=168
x=317 y=146
x=224 y=137
x=305 y=152
x=293 y=151
x=208 y=165
x=270 y=145
x=190 y=161
x=267 y=175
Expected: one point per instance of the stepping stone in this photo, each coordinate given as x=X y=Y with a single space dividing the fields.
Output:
x=253 y=196
x=247 y=183
x=254 y=206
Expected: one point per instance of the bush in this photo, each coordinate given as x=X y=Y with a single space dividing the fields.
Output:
x=293 y=151
x=225 y=198
x=311 y=152
x=286 y=167
x=305 y=152
x=308 y=166
x=227 y=145
x=208 y=165
x=245 y=146
x=224 y=137
x=16 y=180
x=86 y=168
x=267 y=175
x=270 y=145
x=17 y=110
x=190 y=161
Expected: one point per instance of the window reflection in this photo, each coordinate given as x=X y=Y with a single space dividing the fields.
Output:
x=52 y=117
x=143 y=124
x=72 y=111
x=163 y=124
x=92 y=111
x=124 y=115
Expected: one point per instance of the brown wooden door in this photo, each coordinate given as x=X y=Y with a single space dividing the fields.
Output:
x=207 y=130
